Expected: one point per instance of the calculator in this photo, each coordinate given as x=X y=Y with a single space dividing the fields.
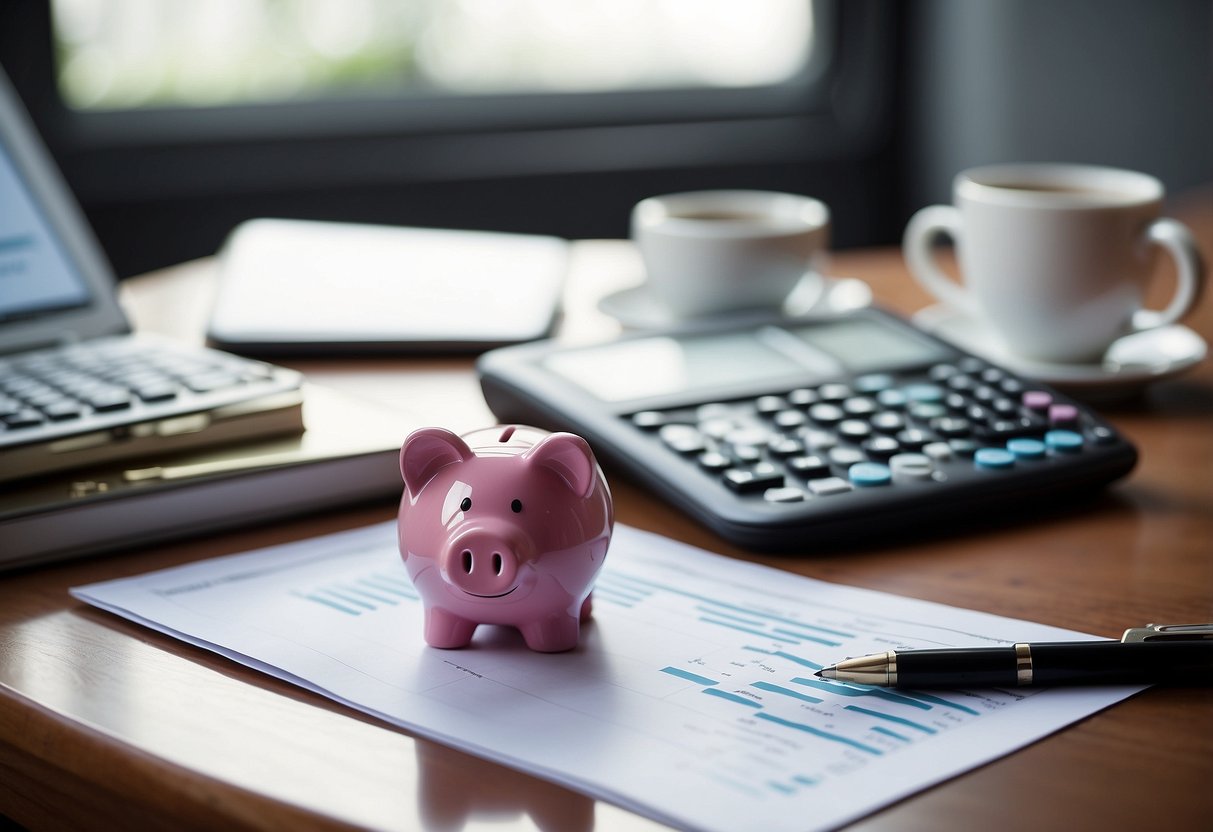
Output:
x=795 y=433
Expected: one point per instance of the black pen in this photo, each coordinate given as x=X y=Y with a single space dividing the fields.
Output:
x=1171 y=654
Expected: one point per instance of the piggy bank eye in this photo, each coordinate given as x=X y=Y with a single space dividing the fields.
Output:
x=466 y=505
x=516 y=506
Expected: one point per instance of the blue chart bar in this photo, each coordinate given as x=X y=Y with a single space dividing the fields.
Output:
x=805 y=781
x=847 y=690
x=825 y=735
x=718 y=604
x=379 y=596
x=882 y=730
x=807 y=637
x=939 y=700
x=328 y=602
x=732 y=697
x=394 y=585
x=780 y=787
x=926 y=729
x=622 y=599
x=804 y=697
x=689 y=676
x=781 y=654
x=750 y=621
x=749 y=630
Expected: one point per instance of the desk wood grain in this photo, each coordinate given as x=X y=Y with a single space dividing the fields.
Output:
x=106 y=725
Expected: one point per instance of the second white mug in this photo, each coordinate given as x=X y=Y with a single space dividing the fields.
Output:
x=1055 y=258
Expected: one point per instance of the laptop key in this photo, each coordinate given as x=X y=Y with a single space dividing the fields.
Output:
x=24 y=418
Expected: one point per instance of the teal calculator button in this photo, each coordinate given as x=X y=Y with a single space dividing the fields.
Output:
x=867 y=474
x=923 y=392
x=1025 y=448
x=873 y=383
x=993 y=458
x=1065 y=441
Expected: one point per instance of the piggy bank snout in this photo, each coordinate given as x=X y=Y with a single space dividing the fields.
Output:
x=482 y=563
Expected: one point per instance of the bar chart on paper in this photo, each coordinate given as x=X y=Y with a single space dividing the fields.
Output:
x=692 y=698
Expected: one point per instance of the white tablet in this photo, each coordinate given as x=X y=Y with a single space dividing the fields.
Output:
x=294 y=287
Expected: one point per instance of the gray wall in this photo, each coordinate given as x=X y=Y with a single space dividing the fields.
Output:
x=1127 y=83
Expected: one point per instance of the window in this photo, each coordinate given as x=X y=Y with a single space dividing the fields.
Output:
x=118 y=54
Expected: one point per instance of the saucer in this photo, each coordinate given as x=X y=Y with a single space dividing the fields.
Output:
x=1129 y=364
x=635 y=307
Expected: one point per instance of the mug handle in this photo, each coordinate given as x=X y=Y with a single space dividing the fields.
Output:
x=927 y=224
x=1190 y=273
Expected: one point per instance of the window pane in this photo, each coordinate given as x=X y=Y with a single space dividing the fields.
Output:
x=116 y=54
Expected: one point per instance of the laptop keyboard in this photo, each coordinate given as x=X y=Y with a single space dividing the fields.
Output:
x=105 y=383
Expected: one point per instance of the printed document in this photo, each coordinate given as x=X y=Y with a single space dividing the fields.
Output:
x=691 y=698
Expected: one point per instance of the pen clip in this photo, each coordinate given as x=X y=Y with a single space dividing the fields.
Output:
x=1168 y=632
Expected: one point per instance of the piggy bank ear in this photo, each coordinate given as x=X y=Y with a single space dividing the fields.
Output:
x=426 y=452
x=569 y=457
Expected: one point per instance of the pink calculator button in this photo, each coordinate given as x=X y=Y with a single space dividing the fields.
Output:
x=1063 y=414
x=1037 y=400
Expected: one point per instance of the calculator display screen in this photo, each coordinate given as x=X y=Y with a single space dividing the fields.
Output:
x=689 y=364
x=864 y=345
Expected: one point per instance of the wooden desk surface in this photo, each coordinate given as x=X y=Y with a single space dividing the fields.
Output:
x=105 y=725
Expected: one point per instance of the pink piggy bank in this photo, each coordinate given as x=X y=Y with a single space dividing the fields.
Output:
x=506 y=525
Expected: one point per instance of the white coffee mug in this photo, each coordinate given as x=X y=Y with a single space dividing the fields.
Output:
x=1055 y=258
x=711 y=252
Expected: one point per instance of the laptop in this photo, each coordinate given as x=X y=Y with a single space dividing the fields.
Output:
x=77 y=386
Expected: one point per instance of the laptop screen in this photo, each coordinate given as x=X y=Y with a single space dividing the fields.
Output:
x=36 y=275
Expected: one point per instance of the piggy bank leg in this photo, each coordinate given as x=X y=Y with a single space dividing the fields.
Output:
x=551 y=635
x=446 y=630
x=587 y=609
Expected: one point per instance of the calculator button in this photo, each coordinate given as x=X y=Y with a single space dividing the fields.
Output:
x=748 y=435
x=717 y=428
x=956 y=401
x=971 y=365
x=926 y=411
x=942 y=372
x=881 y=447
x=963 y=447
x=789 y=419
x=951 y=428
x=714 y=410
x=786 y=447
x=749 y=480
x=682 y=438
x=803 y=397
x=894 y=399
x=910 y=467
x=747 y=453
x=923 y=392
x=859 y=406
x=1025 y=448
x=1102 y=435
x=854 y=429
x=1065 y=441
x=993 y=458
x=939 y=451
x=961 y=383
x=992 y=375
x=914 y=439
x=888 y=422
x=770 y=405
x=834 y=392
x=713 y=461
x=873 y=383
x=784 y=494
x=648 y=419
x=1004 y=406
x=809 y=467
x=1063 y=415
x=986 y=394
x=826 y=413
x=1011 y=386
x=846 y=457
x=1037 y=400
x=829 y=485
x=820 y=440
x=869 y=474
